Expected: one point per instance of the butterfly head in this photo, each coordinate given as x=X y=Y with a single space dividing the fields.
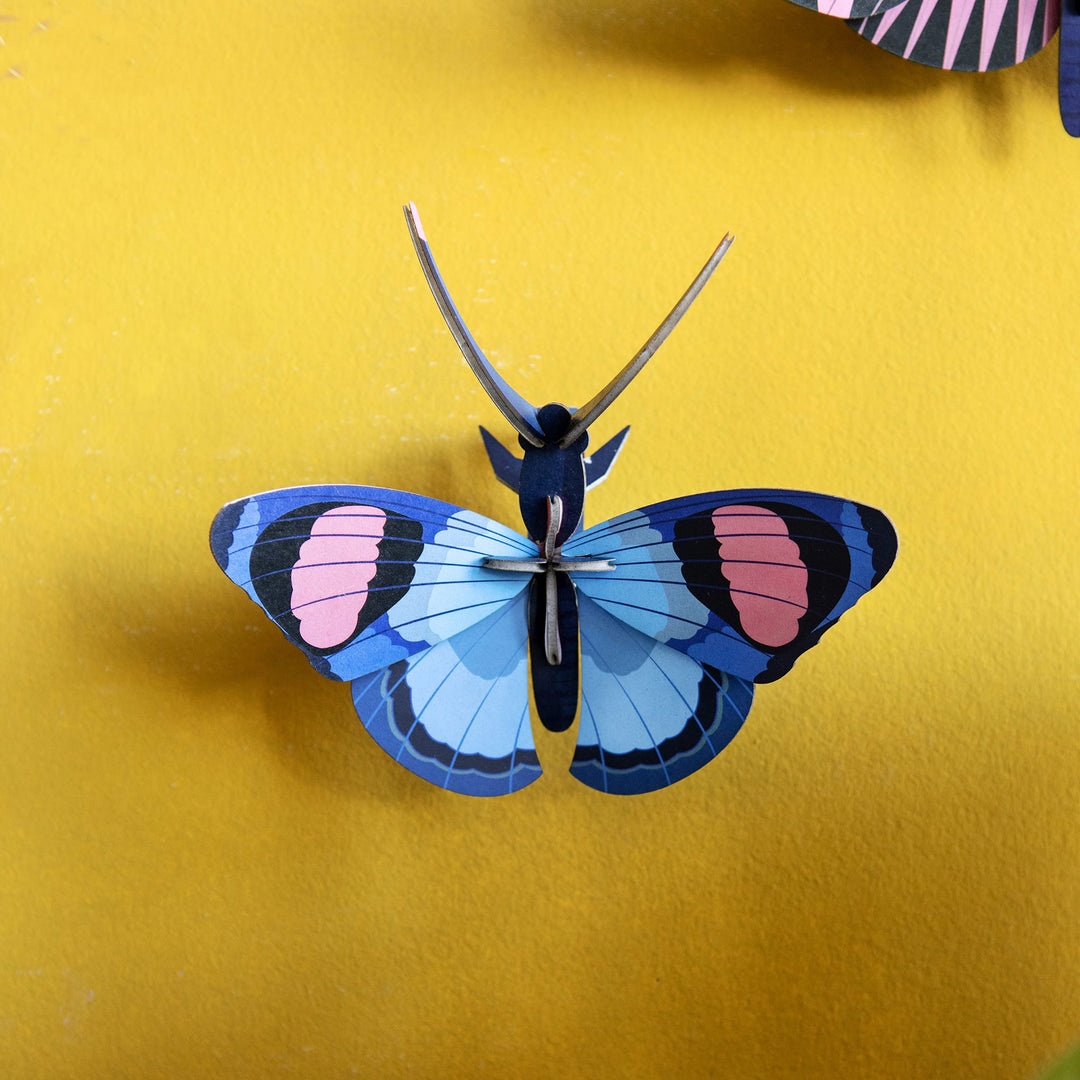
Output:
x=553 y=470
x=555 y=421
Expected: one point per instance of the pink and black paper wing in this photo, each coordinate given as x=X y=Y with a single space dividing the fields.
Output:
x=971 y=35
x=848 y=9
x=983 y=35
x=963 y=35
x=388 y=589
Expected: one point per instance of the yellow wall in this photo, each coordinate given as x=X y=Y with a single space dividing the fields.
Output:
x=207 y=289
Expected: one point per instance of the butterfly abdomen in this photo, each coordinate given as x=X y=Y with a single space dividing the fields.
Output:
x=555 y=686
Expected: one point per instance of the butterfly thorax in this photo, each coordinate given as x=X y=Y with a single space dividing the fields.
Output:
x=552 y=470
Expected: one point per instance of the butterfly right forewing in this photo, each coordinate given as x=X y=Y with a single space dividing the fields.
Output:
x=744 y=581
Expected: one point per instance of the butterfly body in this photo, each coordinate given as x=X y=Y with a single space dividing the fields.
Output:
x=551 y=484
x=653 y=627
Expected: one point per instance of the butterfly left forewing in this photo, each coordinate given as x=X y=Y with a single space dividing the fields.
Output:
x=361 y=577
x=743 y=581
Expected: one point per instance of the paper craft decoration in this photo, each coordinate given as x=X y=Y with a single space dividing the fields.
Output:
x=971 y=35
x=660 y=620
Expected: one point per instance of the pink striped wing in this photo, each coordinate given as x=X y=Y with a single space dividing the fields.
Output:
x=848 y=9
x=963 y=35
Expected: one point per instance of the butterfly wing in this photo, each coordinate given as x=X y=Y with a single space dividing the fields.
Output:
x=650 y=715
x=741 y=581
x=708 y=594
x=848 y=9
x=963 y=35
x=360 y=577
x=389 y=590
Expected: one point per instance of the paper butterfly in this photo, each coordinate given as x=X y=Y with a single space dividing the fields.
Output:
x=970 y=35
x=660 y=621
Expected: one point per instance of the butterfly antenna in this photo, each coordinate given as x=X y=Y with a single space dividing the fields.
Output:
x=512 y=405
x=584 y=416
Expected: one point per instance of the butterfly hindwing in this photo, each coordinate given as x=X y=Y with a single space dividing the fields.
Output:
x=740 y=581
x=457 y=713
x=360 y=578
x=650 y=715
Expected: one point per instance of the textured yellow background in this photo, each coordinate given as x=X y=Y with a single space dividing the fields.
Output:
x=207 y=869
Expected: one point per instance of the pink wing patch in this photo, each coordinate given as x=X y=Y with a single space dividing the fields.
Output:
x=767 y=576
x=839 y=8
x=330 y=578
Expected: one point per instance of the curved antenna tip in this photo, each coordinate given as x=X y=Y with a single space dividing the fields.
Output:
x=413 y=215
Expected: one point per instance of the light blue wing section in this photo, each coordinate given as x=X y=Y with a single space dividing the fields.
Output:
x=457 y=714
x=650 y=715
x=425 y=583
